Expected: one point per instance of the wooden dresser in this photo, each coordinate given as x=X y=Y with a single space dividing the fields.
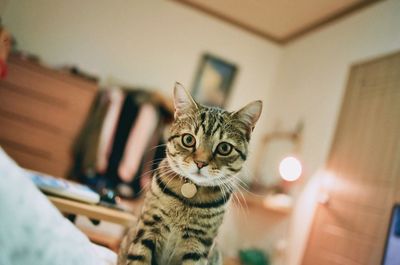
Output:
x=41 y=113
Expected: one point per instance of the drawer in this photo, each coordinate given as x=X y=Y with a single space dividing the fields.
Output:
x=29 y=159
x=62 y=89
x=50 y=114
x=51 y=145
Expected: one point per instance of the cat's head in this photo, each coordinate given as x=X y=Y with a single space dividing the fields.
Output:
x=209 y=145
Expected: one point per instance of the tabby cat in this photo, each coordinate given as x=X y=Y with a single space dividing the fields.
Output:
x=185 y=204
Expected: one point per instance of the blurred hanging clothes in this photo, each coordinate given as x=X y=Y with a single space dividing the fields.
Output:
x=126 y=120
x=118 y=140
x=85 y=149
x=108 y=129
x=139 y=138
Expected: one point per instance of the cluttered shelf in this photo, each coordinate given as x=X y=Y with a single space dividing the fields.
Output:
x=93 y=211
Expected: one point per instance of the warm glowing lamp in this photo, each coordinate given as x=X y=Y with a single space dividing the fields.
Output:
x=290 y=168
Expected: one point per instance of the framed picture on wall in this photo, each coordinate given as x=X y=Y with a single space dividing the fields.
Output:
x=213 y=81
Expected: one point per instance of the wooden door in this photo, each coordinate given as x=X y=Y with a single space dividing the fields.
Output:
x=365 y=165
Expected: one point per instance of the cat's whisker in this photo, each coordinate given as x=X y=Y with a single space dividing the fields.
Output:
x=145 y=188
x=154 y=147
x=224 y=191
x=151 y=171
x=171 y=177
x=236 y=185
x=238 y=201
x=244 y=201
x=238 y=178
x=223 y=185
x=154 y=161
x=239 y=184
x=244 y=186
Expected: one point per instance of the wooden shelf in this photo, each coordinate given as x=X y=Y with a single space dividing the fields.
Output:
x=260 y=201
x=96 y=212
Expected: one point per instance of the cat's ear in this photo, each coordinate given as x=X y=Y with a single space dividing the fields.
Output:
x=183 y=101
x=250 y=113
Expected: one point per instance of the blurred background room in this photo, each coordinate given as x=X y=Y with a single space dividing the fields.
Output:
x=86 y=96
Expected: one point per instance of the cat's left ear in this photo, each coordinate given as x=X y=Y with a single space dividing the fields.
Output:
x=250 y=113
x=183 y=101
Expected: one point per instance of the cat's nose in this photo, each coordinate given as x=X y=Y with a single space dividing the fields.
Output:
x=200 y=164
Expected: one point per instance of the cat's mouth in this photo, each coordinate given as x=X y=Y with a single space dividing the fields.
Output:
x=198 y=174
x=196 y=177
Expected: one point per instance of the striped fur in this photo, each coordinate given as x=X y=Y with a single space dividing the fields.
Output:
x=173 y=229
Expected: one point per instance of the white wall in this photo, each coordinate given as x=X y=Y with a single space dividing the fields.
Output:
x=150 y=43
x=310 y=85
x=303 y=80
x=3 y=5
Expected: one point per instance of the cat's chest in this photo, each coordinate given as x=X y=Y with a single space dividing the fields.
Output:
x=180 y=216
x=179 y=222
x=184 y=222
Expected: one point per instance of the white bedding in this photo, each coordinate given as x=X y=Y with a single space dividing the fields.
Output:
x=32 y=230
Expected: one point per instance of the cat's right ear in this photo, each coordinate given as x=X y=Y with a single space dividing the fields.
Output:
x=183 y=101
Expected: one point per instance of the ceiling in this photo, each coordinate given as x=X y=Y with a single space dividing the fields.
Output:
x=278 y=20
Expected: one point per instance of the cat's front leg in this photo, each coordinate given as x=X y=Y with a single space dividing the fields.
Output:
x=141 y=251
x=194 y=260
x=195 y=249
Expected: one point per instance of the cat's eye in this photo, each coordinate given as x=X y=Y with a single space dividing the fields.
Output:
x=224 y=148
x=188 y=140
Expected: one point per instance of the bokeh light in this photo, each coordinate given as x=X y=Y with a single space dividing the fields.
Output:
x=290 y=168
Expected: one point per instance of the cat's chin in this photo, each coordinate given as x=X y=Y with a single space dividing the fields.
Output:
x=197 y=178
x=200 y=180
